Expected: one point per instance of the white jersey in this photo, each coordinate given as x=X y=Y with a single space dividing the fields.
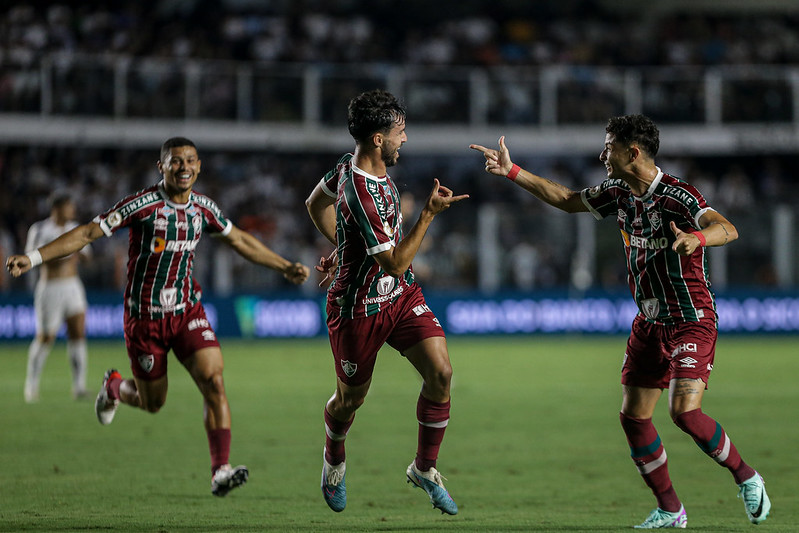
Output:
x=44 y=231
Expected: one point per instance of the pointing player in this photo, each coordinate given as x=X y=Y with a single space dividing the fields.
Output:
x=373 y=298
x=162 y=301
x=59 y=298
x=666 y=225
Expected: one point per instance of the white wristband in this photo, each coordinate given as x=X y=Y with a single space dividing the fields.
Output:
x=35 y=258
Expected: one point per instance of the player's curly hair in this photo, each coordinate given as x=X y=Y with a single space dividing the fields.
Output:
x=174 y=142
x=635 y=129
x=372 y=112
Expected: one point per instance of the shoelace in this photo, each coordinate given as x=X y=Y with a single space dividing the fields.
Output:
x=334 y=476
x=750 y=497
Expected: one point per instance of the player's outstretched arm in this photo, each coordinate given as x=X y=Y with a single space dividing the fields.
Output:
x=397 y=260
x=255 y=251
x=68 y=243
x=498 y=163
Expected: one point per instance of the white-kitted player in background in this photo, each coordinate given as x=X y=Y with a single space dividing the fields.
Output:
x=59 y=298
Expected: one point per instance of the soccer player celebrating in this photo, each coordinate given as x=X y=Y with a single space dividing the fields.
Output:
x=162 y=300
x=59 y=298
x=373 y=298
x=665 y=225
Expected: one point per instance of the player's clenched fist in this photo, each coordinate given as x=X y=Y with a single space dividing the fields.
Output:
x=296 y=273
x=685 y=243
x=18 y=265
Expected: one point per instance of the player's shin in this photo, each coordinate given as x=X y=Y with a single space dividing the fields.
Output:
x=433 y=418
x=714 y=441
x=649 y=456
x=335 y=435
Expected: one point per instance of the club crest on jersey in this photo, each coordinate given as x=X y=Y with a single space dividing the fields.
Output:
x=147 y=362
x=197 y=223
x=654 y=219
x=384 y=285
x=349 y=368
x=650 y=307
x=114 y=219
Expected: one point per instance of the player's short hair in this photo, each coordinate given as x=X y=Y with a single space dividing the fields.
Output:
x=372 y=112
x=58 y=198
x=635 y=129
x=174 y=142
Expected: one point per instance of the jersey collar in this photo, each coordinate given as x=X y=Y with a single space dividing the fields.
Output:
x=370 y=176
x=162 y=192
x=652 y=186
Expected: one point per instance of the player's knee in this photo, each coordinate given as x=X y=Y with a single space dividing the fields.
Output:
x=440 y=378
x=213 y=386
x=153 y=405
x=351 y=402
x=46 y=338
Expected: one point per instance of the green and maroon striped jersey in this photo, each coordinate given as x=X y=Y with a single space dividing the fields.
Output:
x=668 y=288
x=162 y=238
x=368 y=221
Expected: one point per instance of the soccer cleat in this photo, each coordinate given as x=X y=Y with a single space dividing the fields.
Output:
x=431 y=482
x=333 y=487
x=226 y=479
x=104 y=406
x=756 y=502
x=660 y=519
x=31 y=393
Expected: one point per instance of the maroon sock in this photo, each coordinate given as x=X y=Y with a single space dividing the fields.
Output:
x=433 y=418
x=650 y=458
x=713 y=440
x=219 y=446
x=335 y=434
x=112 y=386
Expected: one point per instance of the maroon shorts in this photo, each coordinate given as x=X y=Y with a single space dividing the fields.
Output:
x=149 y=340
x=356 y=341
x=656 y=354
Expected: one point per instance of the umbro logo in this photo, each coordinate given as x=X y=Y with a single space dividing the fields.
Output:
x=688 y=362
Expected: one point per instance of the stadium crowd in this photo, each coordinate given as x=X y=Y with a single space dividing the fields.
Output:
x=470 y=32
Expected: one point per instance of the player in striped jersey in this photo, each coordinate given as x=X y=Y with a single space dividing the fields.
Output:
x=374 y=299
x=162 y=301
x=665 y=226
x=59 y=298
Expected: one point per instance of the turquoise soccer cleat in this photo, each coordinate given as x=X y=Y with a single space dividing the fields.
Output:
x=431 y=482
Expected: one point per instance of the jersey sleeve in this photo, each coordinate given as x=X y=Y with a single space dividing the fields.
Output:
x=215 y=222
x=363 y=199
x=330 y=181
x=602 y=200
x=687 y=202
x=119 y=216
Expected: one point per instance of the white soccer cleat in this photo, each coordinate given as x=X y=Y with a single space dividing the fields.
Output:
x=31 y=393
x=756 y=501
x=226 y=479
x=104 y=406
x=660 y=519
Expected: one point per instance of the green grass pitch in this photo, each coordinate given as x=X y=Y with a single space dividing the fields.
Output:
x=534 y=443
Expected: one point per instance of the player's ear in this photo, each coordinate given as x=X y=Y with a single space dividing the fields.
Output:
x=635 y=152
x=377 y=139
x=159 y=166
